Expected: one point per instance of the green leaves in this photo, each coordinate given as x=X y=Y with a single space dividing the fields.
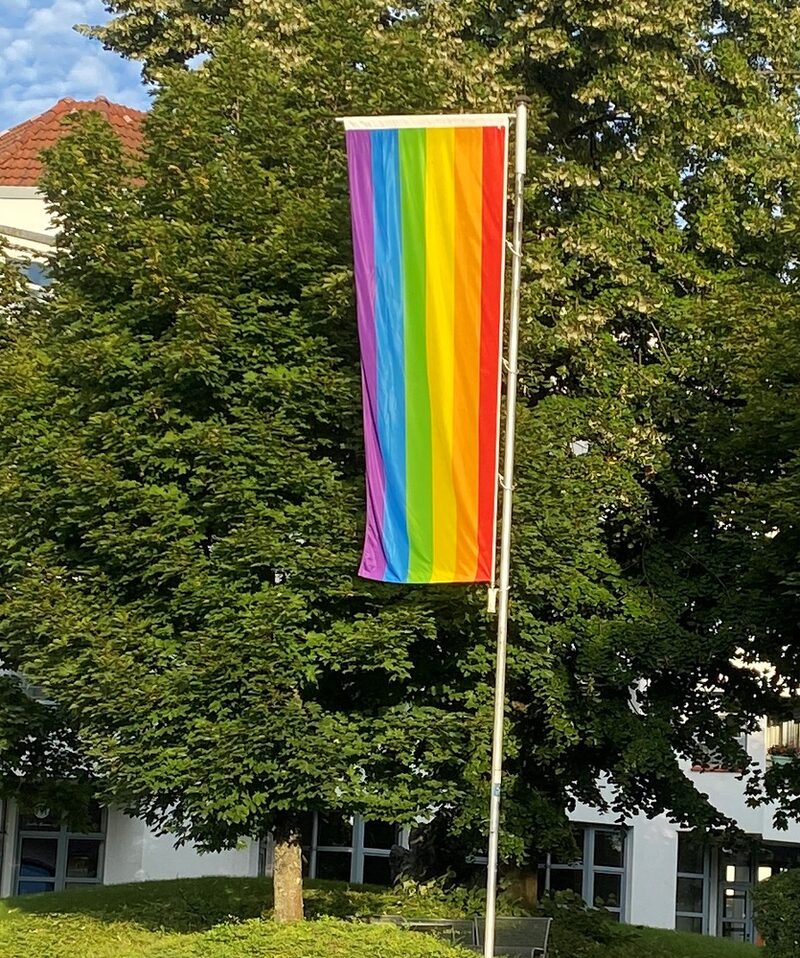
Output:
x=180 y=450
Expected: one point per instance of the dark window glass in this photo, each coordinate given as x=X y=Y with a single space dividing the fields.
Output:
x=333 y=865
x=685 y=923
x=690 y=895
x=93 y=821
x=83 y=855
x=541 y=878
x=609 y=847
x=90 y=821
x=691 y=855
x=377 y=870
x=607 y=890
x=780 y=857
x=38 y=858
x=736 y=932
x=305 y=821
x=379 y=834
x=734 y=904
x=735 y=867
x=43 y=821
x=560 y=858
x=334 y=831
x=34 y=887
x=566 y=879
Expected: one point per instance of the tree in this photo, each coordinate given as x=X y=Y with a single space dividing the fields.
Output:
x=162 y=33
x=180 y=476
x=181 y=466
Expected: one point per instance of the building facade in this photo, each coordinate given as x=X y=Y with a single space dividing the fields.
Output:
x=644 y=871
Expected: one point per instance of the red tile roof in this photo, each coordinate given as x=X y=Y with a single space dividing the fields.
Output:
x=21 y=146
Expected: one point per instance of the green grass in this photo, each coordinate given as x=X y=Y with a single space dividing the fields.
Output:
x=222 y=918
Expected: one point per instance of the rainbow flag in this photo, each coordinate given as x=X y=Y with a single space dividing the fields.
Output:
x=428 y=197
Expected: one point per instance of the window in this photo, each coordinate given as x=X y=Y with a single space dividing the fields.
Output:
x=774 y=859
x=347 y=848
x=783 y=740
x=38 y=274
x=691 y=899
x=52 y=856
x=735 y=895
x=597 y=874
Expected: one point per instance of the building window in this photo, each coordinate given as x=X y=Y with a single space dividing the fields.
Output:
x=691 y=900
x=774 y=859
x=597 y=874
x=783 y=740
x=52 y=856
x=347 y=848
x=736 y=895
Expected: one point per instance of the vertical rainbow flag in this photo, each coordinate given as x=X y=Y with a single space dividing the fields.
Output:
x=428 y=196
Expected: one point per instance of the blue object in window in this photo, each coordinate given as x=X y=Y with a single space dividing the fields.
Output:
x=38 y=274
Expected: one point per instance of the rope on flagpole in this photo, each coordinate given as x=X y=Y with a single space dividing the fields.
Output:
x=507 y=484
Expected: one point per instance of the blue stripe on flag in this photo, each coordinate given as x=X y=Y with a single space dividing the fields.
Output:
x=389 y=321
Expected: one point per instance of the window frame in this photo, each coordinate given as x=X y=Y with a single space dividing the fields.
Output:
x=357 y=850
x=705 y=876
x=61 y=835
x=589 y=870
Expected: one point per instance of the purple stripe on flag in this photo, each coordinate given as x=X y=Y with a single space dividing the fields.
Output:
x=359 y=149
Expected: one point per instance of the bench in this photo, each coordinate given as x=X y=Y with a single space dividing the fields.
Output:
x=524 y=937
x=520 y=937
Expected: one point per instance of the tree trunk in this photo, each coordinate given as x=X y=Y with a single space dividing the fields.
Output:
x=287 y=871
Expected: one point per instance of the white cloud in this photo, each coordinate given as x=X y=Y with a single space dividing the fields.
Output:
x=42 y=59
x=59 y=16
x=16 y=6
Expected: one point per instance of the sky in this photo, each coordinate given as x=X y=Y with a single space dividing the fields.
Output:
x=42 y=59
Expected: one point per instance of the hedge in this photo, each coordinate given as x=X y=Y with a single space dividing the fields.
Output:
x=777 y=913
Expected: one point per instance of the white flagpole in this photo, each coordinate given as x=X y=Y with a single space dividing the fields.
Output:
x=507 y=484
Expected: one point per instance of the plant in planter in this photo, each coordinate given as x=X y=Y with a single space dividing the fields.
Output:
x=783 y=754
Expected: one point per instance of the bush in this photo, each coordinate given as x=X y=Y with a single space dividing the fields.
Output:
x=777 y=904
x=222 y=918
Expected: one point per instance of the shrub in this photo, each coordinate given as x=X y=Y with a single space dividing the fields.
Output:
x=777 y=905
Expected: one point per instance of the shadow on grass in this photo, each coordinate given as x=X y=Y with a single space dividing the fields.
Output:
x=198 y=904
x=181 y=905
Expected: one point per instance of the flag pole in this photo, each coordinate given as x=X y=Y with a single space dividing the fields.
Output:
x=507 y=485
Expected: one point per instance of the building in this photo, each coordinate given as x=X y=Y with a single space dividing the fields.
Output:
x=25 y=224
x=645 y=871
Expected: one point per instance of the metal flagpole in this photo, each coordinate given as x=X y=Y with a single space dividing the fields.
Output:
x=507 y=484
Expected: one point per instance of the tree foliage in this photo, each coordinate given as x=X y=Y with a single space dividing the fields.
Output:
x=181 y=460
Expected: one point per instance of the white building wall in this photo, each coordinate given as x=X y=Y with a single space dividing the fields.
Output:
x=8 y=815
x=23 y=209
x=134 y=853
x=652 y=845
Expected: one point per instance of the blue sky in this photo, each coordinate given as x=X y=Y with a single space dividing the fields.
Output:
x=43 y=59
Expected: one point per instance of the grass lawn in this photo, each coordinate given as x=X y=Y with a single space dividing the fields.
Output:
x=221 y=918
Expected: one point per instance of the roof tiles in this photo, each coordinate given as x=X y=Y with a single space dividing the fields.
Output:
x=21 y=146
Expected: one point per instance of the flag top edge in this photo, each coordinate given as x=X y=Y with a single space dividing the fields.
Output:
x=414 y=121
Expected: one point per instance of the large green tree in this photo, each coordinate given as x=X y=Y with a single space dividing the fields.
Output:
x=180 y=463
x=181 y=475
